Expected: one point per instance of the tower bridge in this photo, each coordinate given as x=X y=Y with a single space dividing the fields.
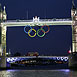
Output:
x=4 y=23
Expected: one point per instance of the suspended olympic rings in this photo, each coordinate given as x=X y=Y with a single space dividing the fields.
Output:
x=47 y=30
x=39 y=31
x=30 y=31
x=25 y=28
x=36 y=32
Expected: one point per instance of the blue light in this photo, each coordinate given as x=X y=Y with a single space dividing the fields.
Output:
x=66 y=58
x=62 y=58
x=11 y=60
x=65 y=70
x=25 y=28
x=58 y=58
x=14 y=59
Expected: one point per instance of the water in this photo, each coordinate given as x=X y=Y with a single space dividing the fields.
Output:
x=38 y=73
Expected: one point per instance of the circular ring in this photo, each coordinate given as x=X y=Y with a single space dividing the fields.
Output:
x=25 y=28
x=39 y=31
x=47 y=30
x=30 y=31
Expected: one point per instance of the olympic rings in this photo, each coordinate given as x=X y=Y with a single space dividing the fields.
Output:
x=25 y=28
x=30 y=31
x=39 y=31
x=47 y=30
x=36 y=32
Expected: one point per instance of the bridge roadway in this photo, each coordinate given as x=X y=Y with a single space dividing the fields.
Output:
x=14 y=59
x=41 y=22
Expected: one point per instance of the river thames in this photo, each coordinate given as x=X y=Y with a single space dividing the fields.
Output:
x=38 y=73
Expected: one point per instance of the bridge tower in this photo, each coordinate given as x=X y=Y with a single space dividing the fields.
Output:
x=73 y=55
x=3 y=17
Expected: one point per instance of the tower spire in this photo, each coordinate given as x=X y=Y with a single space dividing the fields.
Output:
x=4 y=14
x=73 y=4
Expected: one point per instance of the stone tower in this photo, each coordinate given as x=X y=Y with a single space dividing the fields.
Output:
x=0 y=29
x=2 y=38
x=73 y=55
x=74 y=27
x=3 y=17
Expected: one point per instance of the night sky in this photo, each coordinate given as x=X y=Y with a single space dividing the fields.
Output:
x=56 y=42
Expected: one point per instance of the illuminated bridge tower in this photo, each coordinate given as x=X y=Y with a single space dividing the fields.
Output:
x=73 y=55
x=3 y=17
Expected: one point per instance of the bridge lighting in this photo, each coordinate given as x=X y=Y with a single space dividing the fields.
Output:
x=62 y=58
x=69 y=51
x=8 y=59
x=66 y=59
x=58 y=58
x=67 y=70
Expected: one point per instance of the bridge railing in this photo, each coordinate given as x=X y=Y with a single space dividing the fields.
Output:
x=41 y=20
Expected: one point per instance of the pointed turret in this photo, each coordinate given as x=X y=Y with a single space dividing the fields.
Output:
x=73 y=5
x=73 y=10
x=4 y=14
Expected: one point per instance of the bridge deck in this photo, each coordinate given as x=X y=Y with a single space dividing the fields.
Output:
x=39 y=23
x=14 y=59
x=35 y=56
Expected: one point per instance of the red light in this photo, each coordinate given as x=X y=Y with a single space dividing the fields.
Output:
x=69 y=51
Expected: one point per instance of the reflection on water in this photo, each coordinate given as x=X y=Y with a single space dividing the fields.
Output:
x=38 y=73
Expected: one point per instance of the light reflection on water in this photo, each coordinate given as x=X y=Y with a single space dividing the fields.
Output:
x=38 y=73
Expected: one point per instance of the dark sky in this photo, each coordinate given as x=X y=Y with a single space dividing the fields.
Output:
x=17 y=9
x=56 y=42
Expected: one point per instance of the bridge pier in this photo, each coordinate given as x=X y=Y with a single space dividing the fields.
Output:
x=2 y=46
x=72 y=60
x=3 y=62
